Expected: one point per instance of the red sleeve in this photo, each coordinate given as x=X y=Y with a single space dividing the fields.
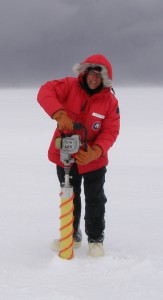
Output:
x=110 y=127
x=52 y=94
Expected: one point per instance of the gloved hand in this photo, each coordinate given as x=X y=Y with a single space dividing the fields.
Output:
x=84 y=157
x=64 y=122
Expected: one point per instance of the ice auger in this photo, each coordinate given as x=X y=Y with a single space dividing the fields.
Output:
x=68 y=145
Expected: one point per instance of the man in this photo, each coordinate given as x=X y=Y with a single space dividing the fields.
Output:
x=89 y=100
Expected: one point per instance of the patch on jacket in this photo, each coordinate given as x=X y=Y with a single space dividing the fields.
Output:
x=98 y=115
x=96 y=126
x=117 y=110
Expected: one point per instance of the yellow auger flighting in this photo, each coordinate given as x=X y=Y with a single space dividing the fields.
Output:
x=68 y=145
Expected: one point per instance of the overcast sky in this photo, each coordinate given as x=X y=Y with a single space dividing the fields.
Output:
x=42 y=40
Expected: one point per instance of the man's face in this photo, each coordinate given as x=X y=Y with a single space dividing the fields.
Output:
x=94 y=79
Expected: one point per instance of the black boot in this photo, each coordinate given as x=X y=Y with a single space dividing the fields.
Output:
x=77 y=235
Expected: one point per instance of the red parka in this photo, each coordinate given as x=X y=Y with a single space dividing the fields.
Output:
x=99 y=112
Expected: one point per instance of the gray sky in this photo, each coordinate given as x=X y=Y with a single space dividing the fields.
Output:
x=42 y=40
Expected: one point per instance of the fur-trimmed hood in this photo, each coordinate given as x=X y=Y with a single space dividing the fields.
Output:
x=93 y=61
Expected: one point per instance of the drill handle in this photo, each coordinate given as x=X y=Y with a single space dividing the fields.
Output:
x=79 y=126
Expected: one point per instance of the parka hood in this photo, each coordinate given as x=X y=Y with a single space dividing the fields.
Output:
x=93 y=61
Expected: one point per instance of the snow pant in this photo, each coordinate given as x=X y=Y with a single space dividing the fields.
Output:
x=95 y=200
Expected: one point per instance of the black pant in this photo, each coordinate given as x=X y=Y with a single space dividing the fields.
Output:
x=95 y=200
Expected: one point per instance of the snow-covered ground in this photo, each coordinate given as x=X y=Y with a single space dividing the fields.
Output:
x=29 y=196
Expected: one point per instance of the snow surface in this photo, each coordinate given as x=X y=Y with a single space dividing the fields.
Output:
x=133 y=266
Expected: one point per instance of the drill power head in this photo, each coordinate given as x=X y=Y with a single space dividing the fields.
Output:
x=68 y=145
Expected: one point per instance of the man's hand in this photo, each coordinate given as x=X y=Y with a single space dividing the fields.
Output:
x=64 y=122
x=84 y=157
